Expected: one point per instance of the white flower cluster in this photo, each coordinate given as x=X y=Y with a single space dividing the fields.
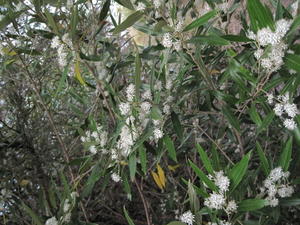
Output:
x=115 y=177
x=217 y=200
x=98 y=138
x=141 y=6
x=271 y=60
x=62 y=48
x=167 y=40
x=187 y=218
x=276 y=186
x=51 y=221
x=285 y=110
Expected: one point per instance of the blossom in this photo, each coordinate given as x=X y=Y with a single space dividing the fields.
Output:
x=141 y=6
x=278 y=109
x=167 y=40
x=157 y=3
x=187 y=218
x=55 y=43
x=276 y=174
x=221 y=181
x=147 y=95
x=115 y=177
x=124 y=108
x=270 y=98
x=231 y=207
x=146 y=107
x=130 y=92
x=51 y=221
x=93 y=149
x=258 y=53
x=290 y=124
x=215 y=201
x=291 y=109
x=158 y=133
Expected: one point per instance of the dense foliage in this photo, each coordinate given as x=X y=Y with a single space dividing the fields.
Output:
x=149 y=112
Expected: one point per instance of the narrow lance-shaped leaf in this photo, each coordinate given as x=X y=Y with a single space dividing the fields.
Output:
x=170 y=147
x=138 y=66
x=132 y=166
x=143 y=158
x=177 y=125
x=286 y=155
x=129 y=220
x=104 y=10
x=205 y=159
x=251 y=205
x=238 y=171
x=203 y=177
x=263 y=159
x=231 y=118
x=33 y=215
x=201 y=21
x=210 y=39
x=51 y=22
x=128 y=22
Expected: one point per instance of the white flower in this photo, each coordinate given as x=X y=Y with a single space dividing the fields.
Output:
x=278 y=109
x=258 y=53
x=67 y=40
x=158 y=134
x=167 y=109
x=147 y=95
x=146 y=107
x=221 y=181
x=215 y=201
x=51 y=221
x=157 y=3
x=187 y=218
x=289 y=124
x=167 y=40
x=127 y=139
x=273 y=202
x=270 y=98
x=141 y=6
x=169 y=84
x=291 y=71
x=130 y=92
x=103 y=138
x=231 y=207
x=251 y=35
x=223 y=222
x=290 y=109
x=115 y=177
x=276 y=174
x=55 y=43
x=158 y=85
x=285 y=191
x=124 y=108
x=294 y=7
x=179 y=25
x=93 y=149
x=67 y=205
x=282 y=27
x=265 y=36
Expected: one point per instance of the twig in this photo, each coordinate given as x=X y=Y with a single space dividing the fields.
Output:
x=144 y=202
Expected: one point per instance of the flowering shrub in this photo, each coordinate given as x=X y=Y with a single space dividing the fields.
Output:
x=149 y=112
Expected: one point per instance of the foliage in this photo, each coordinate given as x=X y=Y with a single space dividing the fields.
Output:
x=149 y=112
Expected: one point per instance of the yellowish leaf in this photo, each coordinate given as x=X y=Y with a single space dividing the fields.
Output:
x=173 y=168
x=9 y=52
x=24 y=182
x=157 y=180
x=161 y=175
x=123 y=163
x=78 y=73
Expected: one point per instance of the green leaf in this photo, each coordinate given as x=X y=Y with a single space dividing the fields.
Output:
x=236 y=38
x=260 y=15
x=201 y=21
x=238 y=171
x=129 y=220
x=143 y=158
x=132 y=166
x=74 y=20
x=170 y=147
x=8 y=18
x=289 y=202
x=210 y=39
x=205 y=159
x=263 y=159
x=177 y=125
x=255 y=116
x=51 y=22
x=286 y=155
x=137 y=78
x=194 y=201
x=104 y=10
x=251 y=205
x=292 y=62
x=294 y=25
x=34 y=217
x=125 y=3
x=231 y=118
x=266 y=122
x=176 y=223
x=130 y=20
x=93 y=178
x=203 y=177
